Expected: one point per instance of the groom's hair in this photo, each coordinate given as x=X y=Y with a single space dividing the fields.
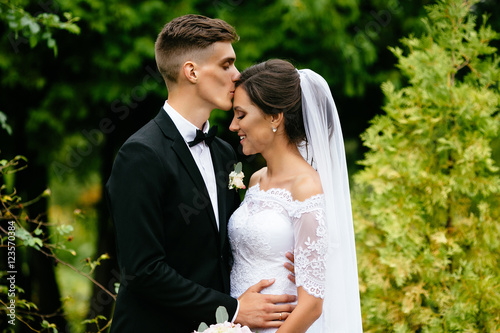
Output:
x=185 y=37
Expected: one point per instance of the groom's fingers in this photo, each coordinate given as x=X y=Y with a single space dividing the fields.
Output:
x=261 y=310
x=274 y=299
x=290 y=266
x=278 y=315
x=277 y=299
x=262 y=284
x=281 y=316
x=275 y=319
x=284 y=309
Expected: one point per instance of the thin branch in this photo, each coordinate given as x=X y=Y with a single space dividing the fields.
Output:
x=50 y=255
x=107 y=325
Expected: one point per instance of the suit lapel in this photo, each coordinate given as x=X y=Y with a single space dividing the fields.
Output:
x=186 y=158
x=220 y=180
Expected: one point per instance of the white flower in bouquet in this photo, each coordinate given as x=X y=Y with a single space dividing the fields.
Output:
x=236 y=178
x=227 y=327
x=223 y=325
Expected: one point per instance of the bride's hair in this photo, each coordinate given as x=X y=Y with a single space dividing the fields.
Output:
x=274 y=86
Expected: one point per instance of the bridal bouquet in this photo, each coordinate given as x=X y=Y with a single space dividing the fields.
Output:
x=223 y=325
x=226 y=327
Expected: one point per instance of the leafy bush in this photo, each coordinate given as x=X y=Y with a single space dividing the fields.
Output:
x=19 y=232
x=427 y=204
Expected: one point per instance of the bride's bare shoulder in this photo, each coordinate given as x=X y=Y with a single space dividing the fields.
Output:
x=306 y=185
x=256 y=176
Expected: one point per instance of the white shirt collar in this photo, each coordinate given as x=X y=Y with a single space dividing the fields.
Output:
x=184 y=126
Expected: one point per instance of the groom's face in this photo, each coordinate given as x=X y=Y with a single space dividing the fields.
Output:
x=217 y=76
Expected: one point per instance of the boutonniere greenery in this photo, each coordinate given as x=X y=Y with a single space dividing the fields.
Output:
x=236 y=178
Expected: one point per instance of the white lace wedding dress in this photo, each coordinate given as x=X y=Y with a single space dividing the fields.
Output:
x=266 y=226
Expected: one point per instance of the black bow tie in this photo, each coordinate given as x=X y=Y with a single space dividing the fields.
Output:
x=201 y=136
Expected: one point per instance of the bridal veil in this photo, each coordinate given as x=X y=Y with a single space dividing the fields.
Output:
x=325 y=151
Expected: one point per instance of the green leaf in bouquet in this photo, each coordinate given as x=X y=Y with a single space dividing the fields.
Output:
x=221 y=314
x=202 y=327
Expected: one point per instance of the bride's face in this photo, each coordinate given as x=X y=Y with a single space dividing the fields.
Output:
x=253 y=126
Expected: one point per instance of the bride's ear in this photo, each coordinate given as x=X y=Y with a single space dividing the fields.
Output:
x=277 y=120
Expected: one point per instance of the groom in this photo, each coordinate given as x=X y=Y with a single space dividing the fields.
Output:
x=169 y=198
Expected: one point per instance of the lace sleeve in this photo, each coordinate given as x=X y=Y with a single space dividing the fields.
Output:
x=311 y=246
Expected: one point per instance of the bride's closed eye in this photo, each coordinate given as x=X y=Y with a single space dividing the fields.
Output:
x=238 y=113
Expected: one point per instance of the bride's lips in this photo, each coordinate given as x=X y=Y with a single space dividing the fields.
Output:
x=242 y=137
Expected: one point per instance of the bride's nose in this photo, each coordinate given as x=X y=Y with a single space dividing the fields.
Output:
x=234 y=127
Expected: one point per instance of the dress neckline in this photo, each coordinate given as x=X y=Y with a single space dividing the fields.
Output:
x=282 y=193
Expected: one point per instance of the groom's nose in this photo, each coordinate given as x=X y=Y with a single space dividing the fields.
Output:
x=236 y=74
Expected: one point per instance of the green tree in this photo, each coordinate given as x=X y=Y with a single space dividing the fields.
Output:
x=31 y=29
x=345 y=41
x=70 y=113
x=427 y=204
x=102 y=86
x=22 y=29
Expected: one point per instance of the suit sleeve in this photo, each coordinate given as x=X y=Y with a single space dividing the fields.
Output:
x=135 y=200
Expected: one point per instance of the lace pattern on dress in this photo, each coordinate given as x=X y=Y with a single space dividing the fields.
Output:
x=310 y=232
x=310 y=252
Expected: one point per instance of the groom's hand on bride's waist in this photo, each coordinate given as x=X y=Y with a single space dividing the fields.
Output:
x=290 y=266
x=258 y=310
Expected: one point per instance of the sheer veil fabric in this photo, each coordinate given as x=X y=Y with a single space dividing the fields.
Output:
x=325 y=152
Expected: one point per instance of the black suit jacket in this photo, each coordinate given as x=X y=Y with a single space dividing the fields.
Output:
x=174 y=262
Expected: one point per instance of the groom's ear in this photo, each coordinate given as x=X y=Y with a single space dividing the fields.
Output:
x=189 y=71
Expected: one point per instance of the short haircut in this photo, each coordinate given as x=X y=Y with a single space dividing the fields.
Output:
x=187 y=34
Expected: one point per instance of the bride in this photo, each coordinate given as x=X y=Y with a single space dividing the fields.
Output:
x=300 y=202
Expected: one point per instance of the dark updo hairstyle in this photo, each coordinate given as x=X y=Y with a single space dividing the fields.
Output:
x=274 y=86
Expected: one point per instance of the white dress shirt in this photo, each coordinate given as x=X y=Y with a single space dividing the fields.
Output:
x=200 y=152
x=203 y=159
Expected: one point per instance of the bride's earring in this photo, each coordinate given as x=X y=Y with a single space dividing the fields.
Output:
x=274 y=129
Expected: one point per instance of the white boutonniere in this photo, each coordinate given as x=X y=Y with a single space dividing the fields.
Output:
x=236 y=178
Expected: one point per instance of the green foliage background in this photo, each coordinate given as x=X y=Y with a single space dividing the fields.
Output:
x=428 y=199
x=77 y=77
